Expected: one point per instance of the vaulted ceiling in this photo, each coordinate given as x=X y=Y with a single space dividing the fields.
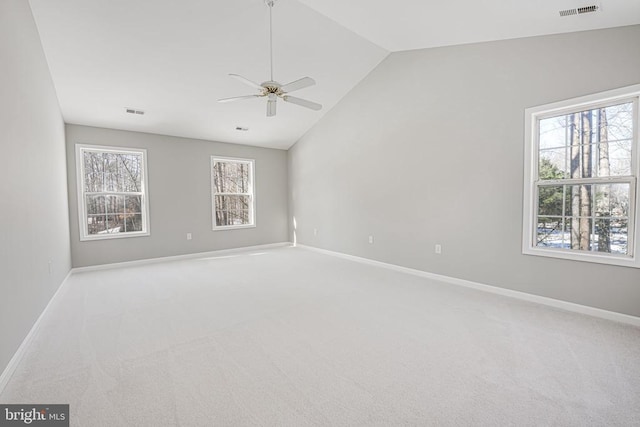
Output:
x=171 y=59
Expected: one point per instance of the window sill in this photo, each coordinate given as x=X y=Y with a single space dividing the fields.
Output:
x=113 y=236
x=233 y=227
x=590 y=257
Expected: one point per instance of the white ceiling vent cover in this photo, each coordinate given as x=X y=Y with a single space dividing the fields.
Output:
x=134 y=111
x=579 y=10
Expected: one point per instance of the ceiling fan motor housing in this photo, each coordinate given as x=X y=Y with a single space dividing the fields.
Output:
x=272 y=87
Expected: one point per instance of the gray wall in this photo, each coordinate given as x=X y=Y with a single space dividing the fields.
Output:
x=429 y=149
x=180 y=197
x=34 y=224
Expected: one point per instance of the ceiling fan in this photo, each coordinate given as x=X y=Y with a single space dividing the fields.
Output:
x=271 y=89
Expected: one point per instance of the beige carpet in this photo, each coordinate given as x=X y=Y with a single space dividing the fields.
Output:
x=289 y=337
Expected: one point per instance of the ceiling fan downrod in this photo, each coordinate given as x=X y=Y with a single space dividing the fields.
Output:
x=270 y=3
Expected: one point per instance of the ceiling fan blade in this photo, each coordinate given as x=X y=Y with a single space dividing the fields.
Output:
x=238 y=98
x=302 y=102
x=298 y=84
x=246 y=81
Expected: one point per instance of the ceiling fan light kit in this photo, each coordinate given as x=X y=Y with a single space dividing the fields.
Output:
x=271 y=89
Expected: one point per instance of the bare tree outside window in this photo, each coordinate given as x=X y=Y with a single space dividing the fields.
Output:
x=584 y=179
x=112 y=191
x=232 y=182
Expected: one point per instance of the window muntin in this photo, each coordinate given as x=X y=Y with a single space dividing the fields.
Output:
x=233 y=200
x=112 y=200
x=580 y=198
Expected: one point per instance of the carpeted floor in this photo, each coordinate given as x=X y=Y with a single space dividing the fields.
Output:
x=289 y=337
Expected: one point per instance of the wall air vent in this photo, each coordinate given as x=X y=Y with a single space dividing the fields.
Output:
x=579 y=10
x=134 y=111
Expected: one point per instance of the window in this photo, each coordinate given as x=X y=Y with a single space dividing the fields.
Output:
x=581 y=172
x=112 y=193
x=232 y=193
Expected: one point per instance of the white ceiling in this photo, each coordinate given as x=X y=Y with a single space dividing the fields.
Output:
x=172 y=58
x=416 y=24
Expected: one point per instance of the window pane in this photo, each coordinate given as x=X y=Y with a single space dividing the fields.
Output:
x=132 y=222
x=618 y=120
x=114 y=204
x=96 y=223
x=129 y=172
x=552 y=164
x=114 y=225
x=95 y=205
x=232 y=177
x=222 y=218
x=108 y=164
x=550 y=200
x=235 y=217
x=612 y=200
x=582 y=161
x=619 y=236
x=133 y=204
x=550 y=232
x=611 y=236
x=579 y=201
x=615 y=158
x=553 y=132
x=97 y=166
x=579 y=230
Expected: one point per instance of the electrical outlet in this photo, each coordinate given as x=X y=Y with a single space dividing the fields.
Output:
x=315 y=231
x=50 y=267
x=438 y=249
x=188 y=236
x=371 y=239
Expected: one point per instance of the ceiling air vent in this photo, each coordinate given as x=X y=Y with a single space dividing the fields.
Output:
x=579 y=10
x=568 y=12
x=134 y=111
x=587 y=9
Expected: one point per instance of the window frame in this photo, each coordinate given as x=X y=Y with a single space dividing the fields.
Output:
x=532 y=118
x=80 y=186
x=251 y=194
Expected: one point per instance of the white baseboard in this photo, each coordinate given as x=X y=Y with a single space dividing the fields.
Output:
x=551 y=302
x=179 y=257
x=20 y=352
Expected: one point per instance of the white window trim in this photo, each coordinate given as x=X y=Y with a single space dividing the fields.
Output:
x=532 y=116
x=252 y=210
x=82 y=214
